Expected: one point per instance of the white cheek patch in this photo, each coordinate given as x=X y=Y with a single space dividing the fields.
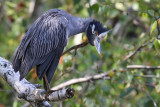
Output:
x=93 y=27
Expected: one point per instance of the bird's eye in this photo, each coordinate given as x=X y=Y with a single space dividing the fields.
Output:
x=95 y=33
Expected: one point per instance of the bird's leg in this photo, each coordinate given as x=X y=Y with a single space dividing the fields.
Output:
x=48 y=87
x=76 y=51
x=46 y=81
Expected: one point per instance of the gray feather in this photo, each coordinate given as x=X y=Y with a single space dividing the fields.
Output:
x=43 y=44
x=41 y=40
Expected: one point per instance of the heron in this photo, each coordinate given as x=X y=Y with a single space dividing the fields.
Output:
x=45 y=40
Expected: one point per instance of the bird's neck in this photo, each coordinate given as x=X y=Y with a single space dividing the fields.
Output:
x=78 y=25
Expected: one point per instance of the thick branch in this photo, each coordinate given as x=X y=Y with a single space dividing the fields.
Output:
x=28 y=91
x=142 y=67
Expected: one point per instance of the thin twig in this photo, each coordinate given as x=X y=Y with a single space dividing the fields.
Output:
x=63 y=74
x=142 y=67
x=75 y=47
x=158 y=19
x=143 y=89
x=83 y=79
x=138 y=49
x=150 y=85
x=147 y=76
x=84 y=91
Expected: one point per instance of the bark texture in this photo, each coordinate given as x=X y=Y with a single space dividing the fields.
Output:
x=29 y=91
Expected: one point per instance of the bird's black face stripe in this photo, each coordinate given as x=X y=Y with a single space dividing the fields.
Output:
x=98 y=26
x=98 y=29
x=90 y=35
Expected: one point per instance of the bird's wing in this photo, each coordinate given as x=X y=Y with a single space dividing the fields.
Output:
x=44 y=42
x=50 y=46
x=50 y=35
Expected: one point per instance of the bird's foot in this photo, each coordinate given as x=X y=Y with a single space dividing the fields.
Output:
x=49 y=92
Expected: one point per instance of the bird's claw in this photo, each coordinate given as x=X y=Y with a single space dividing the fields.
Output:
x=48 y=93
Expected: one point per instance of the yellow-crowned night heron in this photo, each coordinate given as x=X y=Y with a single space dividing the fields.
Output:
x=44 y=42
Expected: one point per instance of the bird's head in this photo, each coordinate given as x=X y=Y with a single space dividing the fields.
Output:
x=96 y=33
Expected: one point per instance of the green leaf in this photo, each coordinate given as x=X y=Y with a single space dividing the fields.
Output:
x=126 y=92
x=157 y=44
x=120 y=6
x=108 y=1
x=89 y=102
x=11 y=4
x=154 y=25
x=158 y=88
x=95 y=7
x=151 y=12
x=144 y=15
x=15 y=103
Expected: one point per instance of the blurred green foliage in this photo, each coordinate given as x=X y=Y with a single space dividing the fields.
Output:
x=134 y=22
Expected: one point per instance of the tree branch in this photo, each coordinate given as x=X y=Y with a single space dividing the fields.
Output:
x=134 y=52
x=142 y=67
x=83 y=79
x=147 y=76
x=75 y=47
x=28 y=91
x=158 y=28
x=143 y=89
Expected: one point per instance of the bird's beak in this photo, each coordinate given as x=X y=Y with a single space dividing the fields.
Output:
x=98 y=39
x=97 y=44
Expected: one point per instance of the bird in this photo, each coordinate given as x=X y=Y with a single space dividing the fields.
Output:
x=44 y=42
